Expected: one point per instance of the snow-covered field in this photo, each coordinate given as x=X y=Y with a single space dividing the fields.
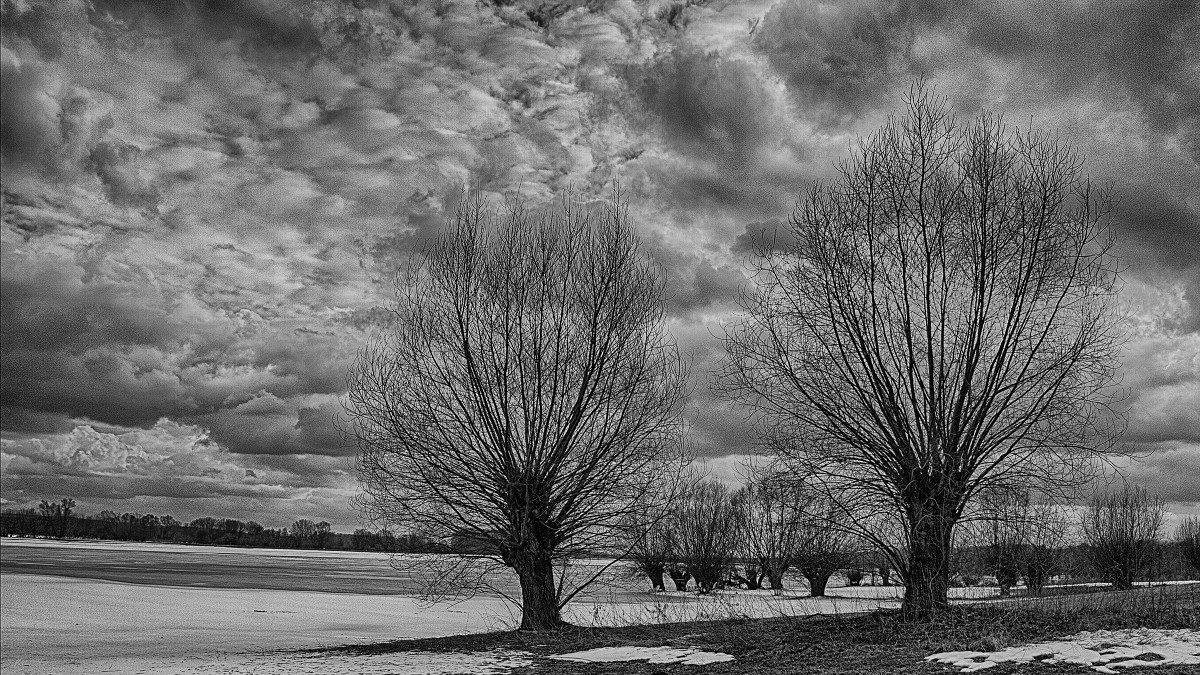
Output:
x=72 y=624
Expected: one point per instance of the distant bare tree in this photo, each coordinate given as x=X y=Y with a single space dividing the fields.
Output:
x=1121 y=531
x=57 y=516
x=1005 y=522
x=652 y=549
x=1048 y=529
x=1187 y=537
x=705 y=530
x=305 y=531
x=824 y=547
x=772 y=508
x=943 y=322
x=527 y=394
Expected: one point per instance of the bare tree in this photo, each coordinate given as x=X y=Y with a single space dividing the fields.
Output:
x=942 y=322
x=1187 y=537
x=1121 y=531
x=652 y=549
x=1005 y=517
x=1048 y=526
x=57 y=516
x=772 y=508
x=824 y=545
x=705 y=529
x=526 y=393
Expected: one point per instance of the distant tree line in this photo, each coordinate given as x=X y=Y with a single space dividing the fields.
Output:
x=59 y=520
x=777 y=526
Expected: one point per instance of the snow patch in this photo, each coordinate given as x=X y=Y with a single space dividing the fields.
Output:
x=1103 y=650
x=690 y=657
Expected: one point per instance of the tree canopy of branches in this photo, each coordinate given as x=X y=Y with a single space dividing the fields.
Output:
x=1020 y=536
x=944 y=321
x=824 y=544
x=772 y=506
x=1122 y=531
x=652 y=549
x=705 y=533
x=57 y=516
x=1187 y=537
x=526 y=394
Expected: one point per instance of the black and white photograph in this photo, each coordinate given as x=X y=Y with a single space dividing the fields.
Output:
x=599 y=337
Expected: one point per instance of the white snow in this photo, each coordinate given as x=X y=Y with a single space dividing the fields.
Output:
x=65 y=625
x=1103 y=650
x=690 y=657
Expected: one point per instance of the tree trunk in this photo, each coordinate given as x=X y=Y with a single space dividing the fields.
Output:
x=816 y=584
x=656 y=572
x=1121 y=579
x=775 y=579
x=927 y=579
x=539 y=599
x=753 y=578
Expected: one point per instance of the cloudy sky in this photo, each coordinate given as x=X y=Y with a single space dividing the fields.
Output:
x=204 y=202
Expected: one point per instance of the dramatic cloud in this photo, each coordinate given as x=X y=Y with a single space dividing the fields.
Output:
x=204 y=204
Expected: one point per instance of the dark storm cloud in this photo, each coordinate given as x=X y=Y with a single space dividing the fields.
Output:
x=711 y=107
x=722 y=117
x=1147 y=51
x=843 y=59
x=1161 y=221
x=775 y=235
x=268 y=425
x=701 y=285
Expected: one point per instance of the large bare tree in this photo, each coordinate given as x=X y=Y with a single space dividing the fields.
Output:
x=943 y=322
x=526 y=396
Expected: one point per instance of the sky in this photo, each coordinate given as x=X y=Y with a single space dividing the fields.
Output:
x=204 y=203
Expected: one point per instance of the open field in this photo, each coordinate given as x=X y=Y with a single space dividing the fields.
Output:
x=85 y=607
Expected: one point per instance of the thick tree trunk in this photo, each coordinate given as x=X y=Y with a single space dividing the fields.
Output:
x=655 y=573
x=775 y=579
x=1121 y=579
x=1035 y=579
x=816 y=584
x=927 y=579
x=539 y=601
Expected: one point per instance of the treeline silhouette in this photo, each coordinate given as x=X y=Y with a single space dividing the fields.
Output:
x=59 y=520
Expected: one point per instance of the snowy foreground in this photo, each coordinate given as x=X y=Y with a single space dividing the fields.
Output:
x=64 y=624
x=1103 y=650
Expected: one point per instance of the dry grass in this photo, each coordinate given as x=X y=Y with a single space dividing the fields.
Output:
x=875 y=643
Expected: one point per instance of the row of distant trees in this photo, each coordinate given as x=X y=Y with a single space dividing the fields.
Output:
x=1122 y=540
x=752 y=536
x=775 y=526
x=60 y=520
